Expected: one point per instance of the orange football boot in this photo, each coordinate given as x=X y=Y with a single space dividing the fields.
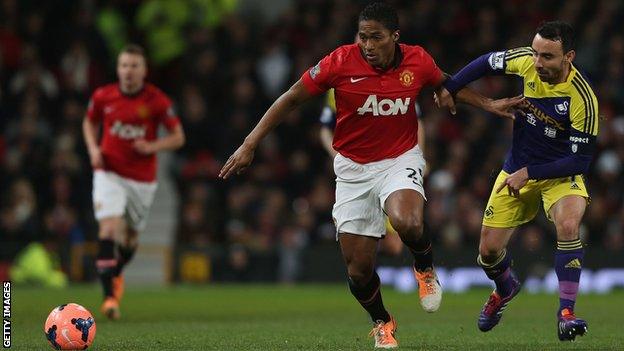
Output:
x=110 y=308
x=384 y=334
x=429 y=289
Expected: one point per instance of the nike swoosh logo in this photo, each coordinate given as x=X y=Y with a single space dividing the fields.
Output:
x=355 y=80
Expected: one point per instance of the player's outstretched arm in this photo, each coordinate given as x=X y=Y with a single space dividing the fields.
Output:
x=242 y=157
x=494 y=63
x=504 y=107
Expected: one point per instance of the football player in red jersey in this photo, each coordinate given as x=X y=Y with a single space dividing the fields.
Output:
x=379 y=165
x=124 y=163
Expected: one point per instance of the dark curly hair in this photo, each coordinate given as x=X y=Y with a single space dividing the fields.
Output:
x=558 y=31
x=382 y=13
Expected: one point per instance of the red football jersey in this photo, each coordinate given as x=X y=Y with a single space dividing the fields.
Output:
x=126 y=119
x=375 y=110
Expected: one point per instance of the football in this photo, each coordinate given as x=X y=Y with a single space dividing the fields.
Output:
x=70 y=327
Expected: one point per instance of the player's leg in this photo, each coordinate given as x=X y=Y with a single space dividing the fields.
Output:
x=360 y=224
x=567 y=213
x=405 y=211
x=126 y=249
x=502 y=215
x=109 y=201
x=495 y=261
x=391 y=244
x=106 y=263
x=494 y=258
x=403 y=199
x=140 y=196
x=359 y=253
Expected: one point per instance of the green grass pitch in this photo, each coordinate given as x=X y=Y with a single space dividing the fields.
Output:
x=309 y=317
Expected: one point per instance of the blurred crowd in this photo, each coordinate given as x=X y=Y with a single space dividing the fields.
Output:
x=223 y=63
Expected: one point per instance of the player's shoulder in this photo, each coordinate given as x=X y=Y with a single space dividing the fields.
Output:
x=581 y=81
x=153 y=90
x=155 y=93
x=516 y=61
x=106 y=91
x=416 y=55
x=413 y=51
x=408 y=49
x=519 y=51
x=344 y=53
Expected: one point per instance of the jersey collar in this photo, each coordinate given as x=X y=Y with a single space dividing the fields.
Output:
x=139 y=92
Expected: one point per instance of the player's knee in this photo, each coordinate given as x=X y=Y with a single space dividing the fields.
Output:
x=360 y=274
x=489 y=248
x=489 y=252
x=568 y=229
x=107 y=232
x=409 y=225
x=108 y=229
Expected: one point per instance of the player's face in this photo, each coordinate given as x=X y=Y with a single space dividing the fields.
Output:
x=377 y=43
x=131 y=71
x=550 y=60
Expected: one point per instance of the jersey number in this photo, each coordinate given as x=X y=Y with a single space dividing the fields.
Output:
x=415 y=175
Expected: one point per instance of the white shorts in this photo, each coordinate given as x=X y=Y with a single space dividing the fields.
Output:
x=115 y=196
x=362 y=190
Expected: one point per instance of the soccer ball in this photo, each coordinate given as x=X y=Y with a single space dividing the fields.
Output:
x=70 y=327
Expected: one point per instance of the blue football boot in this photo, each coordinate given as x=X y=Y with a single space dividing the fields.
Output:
x=569 y=326
x=493 y=309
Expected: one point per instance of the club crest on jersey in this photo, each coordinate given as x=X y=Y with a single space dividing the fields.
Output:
x=385 y=107
x=406 y=78
x=143 y=112
x=562 y=108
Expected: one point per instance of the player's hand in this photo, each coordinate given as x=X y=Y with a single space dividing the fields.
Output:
x=144 y=147
x=238 y=162
x=506 y=107
x=95 y=156
x=443 y=98
x=514 y=182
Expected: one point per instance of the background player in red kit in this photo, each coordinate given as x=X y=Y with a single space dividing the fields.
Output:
x=124 y=164
x=379 y=166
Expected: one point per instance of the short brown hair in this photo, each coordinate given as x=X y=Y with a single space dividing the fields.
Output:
x=133 y=49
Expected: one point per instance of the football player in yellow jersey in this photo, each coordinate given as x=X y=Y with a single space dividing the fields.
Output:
x=553 y=145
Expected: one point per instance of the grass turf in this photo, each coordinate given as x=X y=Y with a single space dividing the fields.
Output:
x=309 y=317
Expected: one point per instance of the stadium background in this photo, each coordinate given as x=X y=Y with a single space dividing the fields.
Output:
x=223 y=63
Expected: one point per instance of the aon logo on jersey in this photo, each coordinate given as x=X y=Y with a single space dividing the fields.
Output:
x=385 y=107
x=127 y=131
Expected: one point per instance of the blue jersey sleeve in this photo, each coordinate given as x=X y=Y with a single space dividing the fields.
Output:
x=582 y=147
x=513 y=61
